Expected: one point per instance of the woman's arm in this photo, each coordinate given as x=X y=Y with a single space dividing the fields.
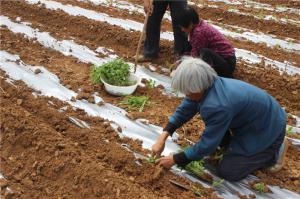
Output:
x=184 y=112
x=217 y=123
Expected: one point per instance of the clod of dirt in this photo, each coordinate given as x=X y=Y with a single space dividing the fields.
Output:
x=19 y=101
x=8 y=195
x=3 y=183
x=91 y=99
x=101 y=103
x=37 y=71
x=82 y=95
x=119 y=129
x=73 y=99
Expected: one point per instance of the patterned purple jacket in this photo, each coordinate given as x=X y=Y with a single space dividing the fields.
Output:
x=206 y=36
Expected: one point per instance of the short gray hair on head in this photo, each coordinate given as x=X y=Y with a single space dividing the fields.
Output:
x=193 y=75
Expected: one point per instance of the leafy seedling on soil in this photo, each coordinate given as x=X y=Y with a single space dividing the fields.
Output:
x=197 y=190
x=289 y=131
x=150 y=83
x=195 y=167
x=116 y=72
x=217 y=183
x=277 y=46
x=260 y=187
x=152 y=159
x=136 y=102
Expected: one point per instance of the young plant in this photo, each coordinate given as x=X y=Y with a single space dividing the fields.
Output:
x=217 y=183
x=136 y=102
x=152 y=160
x=260 y=187
x=116 y=72
x=277 y=46
x=195 y=167
x=289 y=131
x=150 y=83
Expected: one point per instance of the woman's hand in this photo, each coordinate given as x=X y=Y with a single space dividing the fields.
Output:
x=159 y=145
x=148 y=6
x=166 y=162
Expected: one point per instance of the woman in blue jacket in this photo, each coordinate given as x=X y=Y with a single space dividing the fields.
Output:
x=248 y=119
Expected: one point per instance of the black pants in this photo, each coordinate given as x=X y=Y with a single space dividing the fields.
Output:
x=223 y=67
x=236 y=167
x=151 y=45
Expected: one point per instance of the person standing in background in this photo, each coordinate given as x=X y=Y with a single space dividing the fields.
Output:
x=157 y=9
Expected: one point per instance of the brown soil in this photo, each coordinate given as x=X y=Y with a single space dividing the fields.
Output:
x=230 y=18
x=44 y=155
x=261 y=13
x=84 y=31
x=259 y=48
x=287 y=3
x=289 y=176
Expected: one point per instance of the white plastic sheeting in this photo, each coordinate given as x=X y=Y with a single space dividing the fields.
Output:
x=48 y=84
x=271 y=41
x=128 y=24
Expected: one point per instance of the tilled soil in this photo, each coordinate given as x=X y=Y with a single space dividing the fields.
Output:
x=250 y=22
x=44 y=155
x=84 y=32
x=259 y=48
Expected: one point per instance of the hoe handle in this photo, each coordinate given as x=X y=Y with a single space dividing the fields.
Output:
x=140 y=40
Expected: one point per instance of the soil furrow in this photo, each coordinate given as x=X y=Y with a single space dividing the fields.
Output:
x=44 y=155
x=260 y=48
x=250 y=22
x=93 y=34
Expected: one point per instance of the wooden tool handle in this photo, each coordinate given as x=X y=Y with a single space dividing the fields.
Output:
x=141 y=39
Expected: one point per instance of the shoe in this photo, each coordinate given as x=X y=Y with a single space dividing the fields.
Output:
x=142 y=58
x=281 y=157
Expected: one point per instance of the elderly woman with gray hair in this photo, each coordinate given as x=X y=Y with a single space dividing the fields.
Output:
x=244 y=119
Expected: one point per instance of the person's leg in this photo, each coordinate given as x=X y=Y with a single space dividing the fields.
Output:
x=181 y=44
x=226 y=140
x=151 y=45
x=236 y=167
x=221 y=66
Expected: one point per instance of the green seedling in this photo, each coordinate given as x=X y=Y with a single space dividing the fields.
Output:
x=152 y=159
x=136 y=102
x=116 y=72
x=277 y=46
x=261 y=15
x=260 y=187
x=217 y=183
x=195 y=167
x=150 y=83
x=197 y=190
x=289 y=131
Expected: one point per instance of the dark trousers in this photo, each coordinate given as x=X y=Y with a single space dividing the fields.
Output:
x=223 y=67
x=236 y=167
x=151 y=45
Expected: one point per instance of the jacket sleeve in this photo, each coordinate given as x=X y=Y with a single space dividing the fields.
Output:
x=183 y=113
x=217 y=123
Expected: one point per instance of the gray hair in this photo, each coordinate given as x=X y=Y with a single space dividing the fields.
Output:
x=193 y=75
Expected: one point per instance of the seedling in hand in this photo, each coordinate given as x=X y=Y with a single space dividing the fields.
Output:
x=152 y=159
